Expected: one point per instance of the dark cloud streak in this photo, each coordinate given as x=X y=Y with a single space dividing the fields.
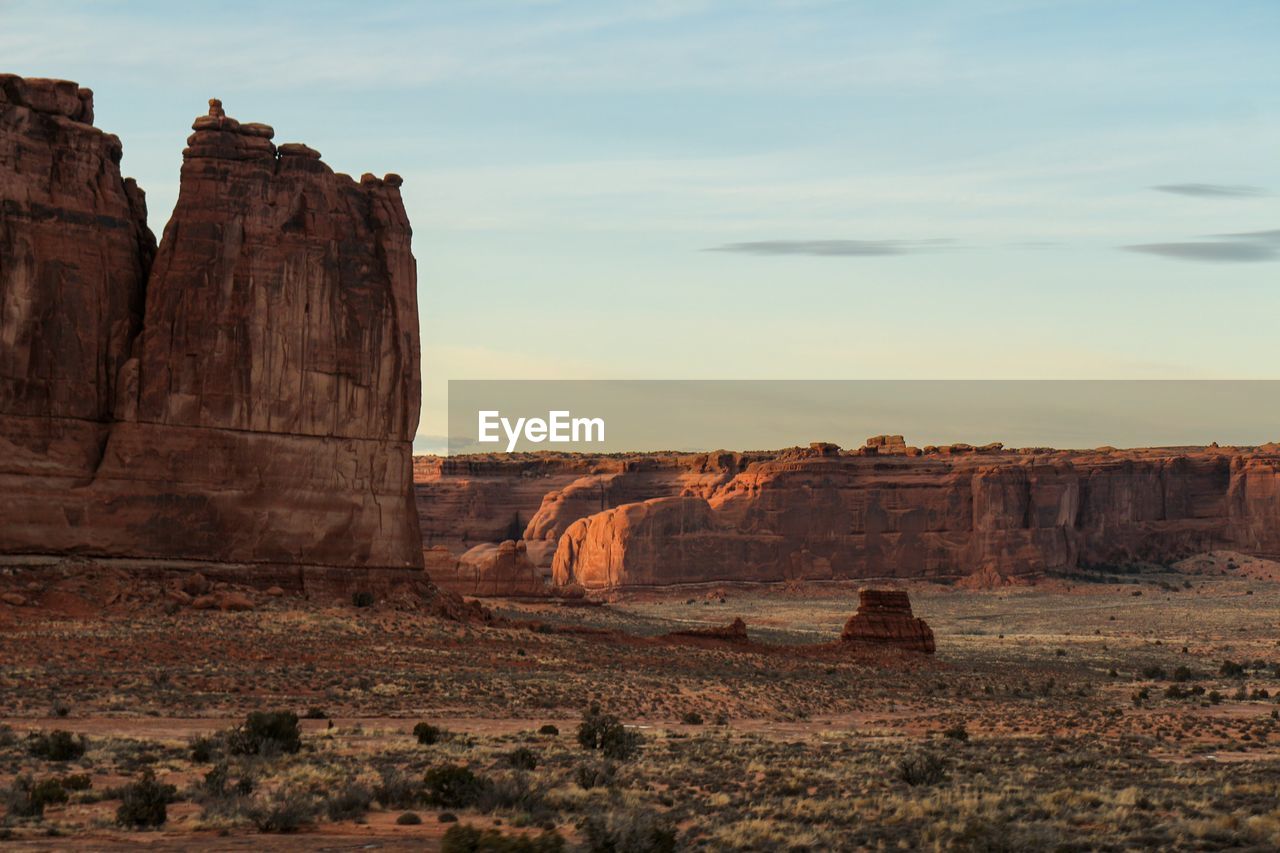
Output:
x=1213 y=190
x=1212 y=251
x=832 y=248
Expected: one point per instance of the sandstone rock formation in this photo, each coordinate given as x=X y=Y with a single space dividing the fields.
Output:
x=489 y=569
x=884 y=618
x=248 y=395
x=734 y=632
x=819 y=513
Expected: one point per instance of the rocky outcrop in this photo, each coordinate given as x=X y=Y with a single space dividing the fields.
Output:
x=489 y=569
x=734 y=632
x=884 y=618
x=469 y=500
x=812 y=514
x=248 y=396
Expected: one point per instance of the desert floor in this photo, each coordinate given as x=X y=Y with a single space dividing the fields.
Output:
x=1113 y=711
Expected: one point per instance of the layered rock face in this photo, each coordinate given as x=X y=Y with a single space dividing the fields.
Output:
x=890 y=510
x=74 y=255
x=249 y=396
x=884 y=618
x=999 y=514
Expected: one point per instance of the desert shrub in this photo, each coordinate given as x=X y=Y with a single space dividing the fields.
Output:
x=314 y=714
x=145 y=802
x=428 y=734
x=514 y=792
x=286 y=810
x=266 y=733
x=28 y=798
x=409 y=819
x=1154 y=673
x=606 y=733
x=523 y=758
x=1231 y=669
x=462 y=838
x=630 y=831
x=397 y=790
x=590 y=776
x=362 y=599
x=1183 y=673
x=77 y=782
x=549 y=729
x=956 y=732
x=1215 y=697
x=203 y=749
x=453 y=786
x=691 y=718
x=57 y=745
x=350 y=801
x=921 y=768
x=1176 y=691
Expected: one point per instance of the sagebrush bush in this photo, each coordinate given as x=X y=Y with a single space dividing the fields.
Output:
x=145 y=803
x=606 y=733
x=462 y=838
x=922 y=768
x=523 y=758
x=428 y=734
x=453 y=786
x=285 y=810
x=629 y=831
x=57 y=745
x=266 y=733
x=28 y=798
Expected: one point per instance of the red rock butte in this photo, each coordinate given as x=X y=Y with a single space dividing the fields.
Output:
x=884 y=618
x=246 y=393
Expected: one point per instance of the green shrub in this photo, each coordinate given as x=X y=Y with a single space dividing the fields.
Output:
x=462 y=838
x=453 y=786
x=1231 y=669
x=691 y=718
x=409 y=819
x=57 y=745
x=956 y=732
x=549 y=729
x=428 y=734
x=362 y=599
x=145 y=802
x=266 y=733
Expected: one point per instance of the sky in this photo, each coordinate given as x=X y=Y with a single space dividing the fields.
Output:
x=744 y=190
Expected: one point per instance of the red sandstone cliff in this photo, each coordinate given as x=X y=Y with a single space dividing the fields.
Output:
x=818 y=515
x=248 y=397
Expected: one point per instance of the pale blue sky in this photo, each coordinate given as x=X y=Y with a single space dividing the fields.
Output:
x=898 y=190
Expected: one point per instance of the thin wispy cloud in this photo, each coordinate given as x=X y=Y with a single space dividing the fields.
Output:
x=1213 y=190
x=832 y=248
x=1239 y=247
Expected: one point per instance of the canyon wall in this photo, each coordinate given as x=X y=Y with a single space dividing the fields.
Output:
x=882 y=511
x=246 y=394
